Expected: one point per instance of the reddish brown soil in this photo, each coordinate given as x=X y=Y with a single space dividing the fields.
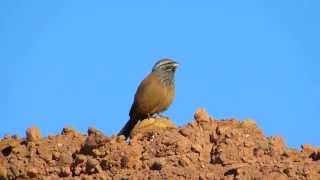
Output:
x=203 y=149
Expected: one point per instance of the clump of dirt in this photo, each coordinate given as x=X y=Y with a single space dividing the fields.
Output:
x=205 y=148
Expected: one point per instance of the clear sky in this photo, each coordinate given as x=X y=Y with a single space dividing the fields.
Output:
x=78 y=63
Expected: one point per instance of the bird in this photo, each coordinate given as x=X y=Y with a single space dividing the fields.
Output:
x=154 y=94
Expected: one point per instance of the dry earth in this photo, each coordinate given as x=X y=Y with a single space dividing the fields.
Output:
x=205 y=148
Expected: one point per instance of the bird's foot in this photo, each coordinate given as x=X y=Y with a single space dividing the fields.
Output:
x=158 y=116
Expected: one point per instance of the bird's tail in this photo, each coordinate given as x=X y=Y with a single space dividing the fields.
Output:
x=126 y=130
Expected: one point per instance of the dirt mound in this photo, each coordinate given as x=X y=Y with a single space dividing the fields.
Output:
x=203 y=149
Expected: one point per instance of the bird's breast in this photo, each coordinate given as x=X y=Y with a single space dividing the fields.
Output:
x=152 y=96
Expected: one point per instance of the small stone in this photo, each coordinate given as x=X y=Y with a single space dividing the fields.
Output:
x=201 y=115
x=120 y=138
x=248 y=144
x=228 y=141
x=68 y=131
x=90 y=143
x=98 y=169
x=290 y=153
x=94 y=131
x=224 y=130
x=308 y=149
x=184 y=162
x=77 y=171
x=91 y=165
x=248 y=123
x=149 y=125
x=80 y=158
x=55 y=155
x=33 y=134
x=196 y=148
x=65 y=159
x=258 y=152
x=124 y=161
x=65 y=172
x=277 y=141
x=94 y=140
x=32 y=172
x=185 y=132
x=97 y=153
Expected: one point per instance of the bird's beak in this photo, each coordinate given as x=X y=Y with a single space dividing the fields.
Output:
x=175 y=64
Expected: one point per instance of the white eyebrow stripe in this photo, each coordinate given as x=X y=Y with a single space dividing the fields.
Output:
x=164 y=62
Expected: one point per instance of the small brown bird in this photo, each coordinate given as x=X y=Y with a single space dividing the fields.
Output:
x=154 y=94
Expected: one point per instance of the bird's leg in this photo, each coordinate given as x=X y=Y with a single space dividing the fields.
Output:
x=158 y=115
x=149 y=116
x=155 y=115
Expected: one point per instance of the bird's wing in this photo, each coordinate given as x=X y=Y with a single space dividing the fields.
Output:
x=149 y=97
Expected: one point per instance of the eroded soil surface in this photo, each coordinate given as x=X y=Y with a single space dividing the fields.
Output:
x=205 y=148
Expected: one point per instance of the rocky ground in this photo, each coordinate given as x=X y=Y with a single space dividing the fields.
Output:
x=205 y=148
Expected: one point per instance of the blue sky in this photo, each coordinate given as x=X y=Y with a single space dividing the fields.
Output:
x=75 y=63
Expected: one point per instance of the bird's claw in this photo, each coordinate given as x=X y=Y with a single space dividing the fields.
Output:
x=158 y=116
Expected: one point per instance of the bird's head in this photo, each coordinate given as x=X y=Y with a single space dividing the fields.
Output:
x=165 y=65
x=165 y=69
